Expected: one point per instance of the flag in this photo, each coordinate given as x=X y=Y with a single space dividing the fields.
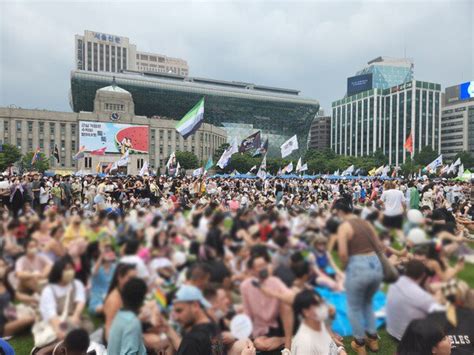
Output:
x=379 y=170
x=253 y=168
x=409 y=143
x=160 y=298
x=191 y=122
x=372 y=172
x=144 y=169
x=198 y=172
x=80 y=153
x=262 y=149
x=177 y=169
x=123 y=161
x=171 y=161
x=357 y=172
x=348 y=171
x=108 y=168
x=100 y=151
x=461 y=170
x=279 y=172
x=98 y=168
x=435 y=164
x=225 y=157
x=445 y=169
x=304 y=167
x=336 y=172
x=56 y=153
x=385 y=170
x=288 y=168
x=457 y=162
x=262 y=171
x=113 y=167
x=298 y=165
x=35 y=156
x=249 y=143
x=209 y=164
x=289 y=146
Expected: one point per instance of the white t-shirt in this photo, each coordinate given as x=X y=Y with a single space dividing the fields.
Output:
x=47 y=305
x=308 y=341
x=393 y=201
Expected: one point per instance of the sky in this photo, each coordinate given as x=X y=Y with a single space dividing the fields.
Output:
x=311 y=46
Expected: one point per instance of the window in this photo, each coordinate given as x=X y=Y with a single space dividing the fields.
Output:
x=139 y=163
x=73 y=130
x=88 y=162
x=51 y=144
x=63 y=128
x=144 y=57
x=113 y=58
x=30 y=143
x=161 y=149
x=18 y=126
x=95 y=57
x=169 y=134
x=41 y=127
x=63 y=145
x=107 y=57
x=41 y=144
x=51 y=128
x=18 y=143
x=124 y=59
x=73 y=146
x=30 y=126
x=101 y=59
x=6 y=125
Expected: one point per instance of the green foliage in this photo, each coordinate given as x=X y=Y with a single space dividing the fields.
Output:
x=409 y=167
x=466 y=158
x=242 y=163
x=41 y=164
x=425 y=156
x=9 y=156
x=187 y=160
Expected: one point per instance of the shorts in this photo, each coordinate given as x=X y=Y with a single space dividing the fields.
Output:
x=393 y=221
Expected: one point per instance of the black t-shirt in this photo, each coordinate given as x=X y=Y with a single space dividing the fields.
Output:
x=202 y=339
x=461 y=336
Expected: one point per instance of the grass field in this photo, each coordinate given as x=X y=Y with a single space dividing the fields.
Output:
x=23 y=344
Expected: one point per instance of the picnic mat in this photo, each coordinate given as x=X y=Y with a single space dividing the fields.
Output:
x=340 y=323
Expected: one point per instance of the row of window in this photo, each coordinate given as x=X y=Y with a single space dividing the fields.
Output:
x=41 y=126
x=114 y=107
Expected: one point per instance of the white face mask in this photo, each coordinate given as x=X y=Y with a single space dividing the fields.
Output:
x=321 y=313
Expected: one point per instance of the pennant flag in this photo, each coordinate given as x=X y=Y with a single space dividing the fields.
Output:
x=225 y=157
x=160 y=299
x=80 y=153
x=209 y=164
x=191 y=122
x=98 y=168
x=198 y=172
x=372 y=172
x=304 y=167
x=379 y=170
x=289 y=146
x=249 y=143
x=263 y=149
x=348 y=171
x=385 y=170
x=357 y=172
x=298 y=165
x=435 y=164
x=171 y=161
x=56 y=153
x=336 y=172
x=262 y=171
x=100 y=151
x=457 y=162
x=289 y=168
x=113 y=167
x=144 y=169
x=252 y=168
x=409 y=143
x=35 y=156
x=445 y=169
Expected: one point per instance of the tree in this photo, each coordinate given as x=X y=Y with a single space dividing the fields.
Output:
x=409 y=167
x=242 y=163
x=9 y=156
x=41 y=164
x=466 y=158
x=425 y=156
x=380 y=158
x=187 y=160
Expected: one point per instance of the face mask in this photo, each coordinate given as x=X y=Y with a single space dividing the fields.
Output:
x=68 y=276
x=219 y=314
x=321 y=313
x=32 y=251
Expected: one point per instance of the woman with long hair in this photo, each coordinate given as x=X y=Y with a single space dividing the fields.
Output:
x=423 y=337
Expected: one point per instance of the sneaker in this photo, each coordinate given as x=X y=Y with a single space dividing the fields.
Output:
x=359 y=349
x=372 y=344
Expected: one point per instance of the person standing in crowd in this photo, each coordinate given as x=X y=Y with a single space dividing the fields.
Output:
x=393 y=202
x=363 y=275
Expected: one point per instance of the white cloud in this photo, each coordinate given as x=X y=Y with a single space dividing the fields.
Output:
x=311 y=46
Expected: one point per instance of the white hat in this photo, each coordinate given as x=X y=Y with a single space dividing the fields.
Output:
x=417 y=236
x=179 y=258
x=415 y=217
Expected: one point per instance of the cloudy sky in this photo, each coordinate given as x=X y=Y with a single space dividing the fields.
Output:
x=310 y=46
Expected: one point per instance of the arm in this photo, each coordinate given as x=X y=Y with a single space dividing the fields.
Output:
x=332 y=242
x=344 y=232
x=95 y=270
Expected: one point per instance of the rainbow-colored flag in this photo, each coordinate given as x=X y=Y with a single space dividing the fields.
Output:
x=160 y=298
x=35 y=156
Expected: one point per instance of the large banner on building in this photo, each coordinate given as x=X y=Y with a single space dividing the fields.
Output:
x=115 y=137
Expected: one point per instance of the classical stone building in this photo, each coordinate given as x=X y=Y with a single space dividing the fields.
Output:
x=112 y=126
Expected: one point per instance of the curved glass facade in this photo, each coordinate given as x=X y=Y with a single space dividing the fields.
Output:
x=239 y=108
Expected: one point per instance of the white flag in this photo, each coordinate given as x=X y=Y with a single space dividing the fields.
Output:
x=288 y=168
x=123 y=161
x=385 y=170
x=435 y=163
x=336 y=173
x=225 y=157
x=289 y=146
x=171 y=161
x=457 y=162
x=198 y=172
x=177 y=169
x=113 y=167
x=304 y=167
x=298 y=165
x=461 y=170
x=348 y=171
x=262 y=171
x=144 y=169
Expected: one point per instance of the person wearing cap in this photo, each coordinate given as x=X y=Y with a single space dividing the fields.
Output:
x=407 y=300
x=101 y=278
x=201 y=336
x=458 y=319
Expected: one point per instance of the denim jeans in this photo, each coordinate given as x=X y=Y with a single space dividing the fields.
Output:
x=363 y=278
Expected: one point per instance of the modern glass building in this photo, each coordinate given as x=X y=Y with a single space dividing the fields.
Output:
x=240 y=108
x=383 y=119
x=388 y=72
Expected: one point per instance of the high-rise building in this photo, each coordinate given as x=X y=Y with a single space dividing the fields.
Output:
x=381 y=73
x=383 y=118
x=320 y=132
x=100 y=52
x=457 y=120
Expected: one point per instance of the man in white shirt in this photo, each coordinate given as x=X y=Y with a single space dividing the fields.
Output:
x=407 y=300
x=393 y=201
x=312 y=337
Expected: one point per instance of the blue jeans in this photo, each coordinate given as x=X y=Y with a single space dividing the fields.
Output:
x=363 y=278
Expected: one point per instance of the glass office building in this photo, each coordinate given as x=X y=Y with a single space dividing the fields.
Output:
x=240 y=108
x=383 y=119
x=388 y=72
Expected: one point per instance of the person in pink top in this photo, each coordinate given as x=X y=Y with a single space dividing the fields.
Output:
x=272 y=319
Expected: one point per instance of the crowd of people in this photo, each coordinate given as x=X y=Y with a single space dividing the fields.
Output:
x=167 y=265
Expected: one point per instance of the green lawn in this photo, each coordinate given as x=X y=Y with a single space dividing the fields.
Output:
x=23 y=344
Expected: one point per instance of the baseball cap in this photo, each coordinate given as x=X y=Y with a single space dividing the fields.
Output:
x=188 y=293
